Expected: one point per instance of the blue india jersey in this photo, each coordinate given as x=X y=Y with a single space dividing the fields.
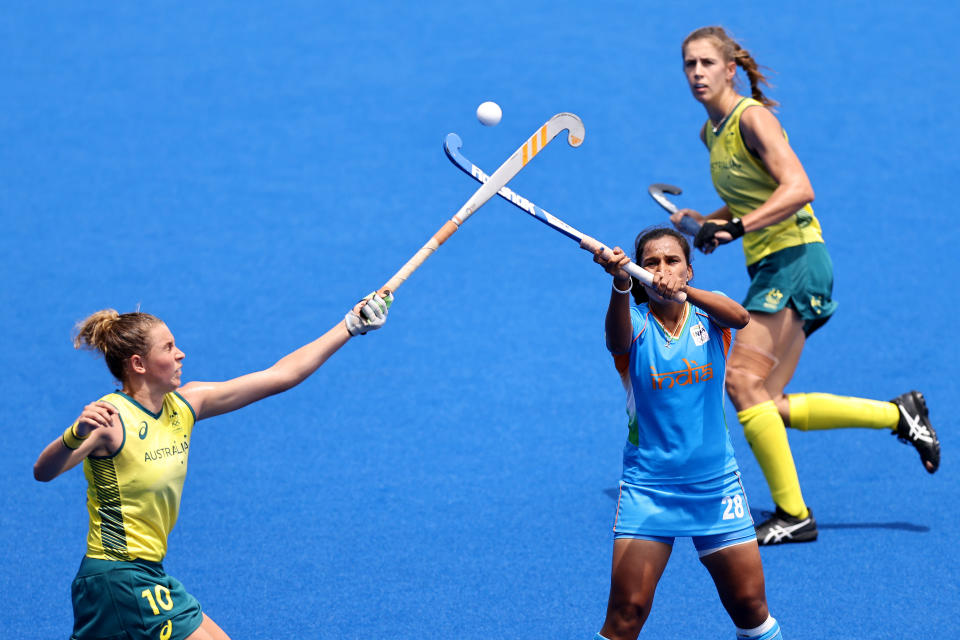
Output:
x=675 y=395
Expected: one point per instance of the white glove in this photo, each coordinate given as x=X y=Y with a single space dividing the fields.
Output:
x=369 y=314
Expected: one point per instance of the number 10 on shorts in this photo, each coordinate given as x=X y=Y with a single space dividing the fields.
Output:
x=732 y=506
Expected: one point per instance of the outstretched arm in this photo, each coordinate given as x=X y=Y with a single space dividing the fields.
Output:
x=214 y=398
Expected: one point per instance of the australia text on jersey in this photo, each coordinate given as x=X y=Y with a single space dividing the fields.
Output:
x=692 y=374
x=175 y=449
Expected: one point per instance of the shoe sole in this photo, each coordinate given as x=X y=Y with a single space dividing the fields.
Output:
x=805 y=537
x=921 y=403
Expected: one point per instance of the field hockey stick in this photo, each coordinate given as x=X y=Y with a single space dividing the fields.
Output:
x=550 y=129
x=687 y=224
x=452 y=146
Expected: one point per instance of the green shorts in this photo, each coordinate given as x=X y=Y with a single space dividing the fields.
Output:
x=114 y=600
x=801 y=277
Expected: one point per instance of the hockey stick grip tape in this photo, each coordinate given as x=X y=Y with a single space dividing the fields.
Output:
x=447 y=230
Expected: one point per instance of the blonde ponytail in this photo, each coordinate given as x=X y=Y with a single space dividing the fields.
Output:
x=116 y=336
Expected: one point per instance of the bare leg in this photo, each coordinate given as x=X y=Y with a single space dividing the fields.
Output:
x=763 y=359
x=637 y=567
x=738 y=573
x=788 y=355
x=208 y=631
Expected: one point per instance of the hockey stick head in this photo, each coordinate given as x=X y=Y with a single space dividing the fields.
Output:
x=572 y=123
x=687 y=224
x=451 y=146
x=534 y=145
x=658 y=189
x=569 y=121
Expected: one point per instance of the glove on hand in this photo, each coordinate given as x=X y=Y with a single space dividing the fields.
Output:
x=369 y=315
x=706 y=236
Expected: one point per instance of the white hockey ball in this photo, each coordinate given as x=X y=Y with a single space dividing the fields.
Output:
x=489 y=113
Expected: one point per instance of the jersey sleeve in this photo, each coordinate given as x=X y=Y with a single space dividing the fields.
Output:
x=726 y=334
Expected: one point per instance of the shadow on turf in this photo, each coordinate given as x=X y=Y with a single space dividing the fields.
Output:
x=759 y=515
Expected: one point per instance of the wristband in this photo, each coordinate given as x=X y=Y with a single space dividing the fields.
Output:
x=70 y=438
x=629 y=289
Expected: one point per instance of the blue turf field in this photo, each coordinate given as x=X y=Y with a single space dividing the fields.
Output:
x=246 y=171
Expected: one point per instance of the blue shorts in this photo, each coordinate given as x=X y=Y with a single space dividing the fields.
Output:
x=714 y=513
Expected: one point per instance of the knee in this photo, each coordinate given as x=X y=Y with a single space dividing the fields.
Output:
x=748 y=608
x=626 y=616
x=741 y=386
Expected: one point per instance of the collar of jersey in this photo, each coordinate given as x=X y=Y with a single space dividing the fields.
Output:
x=726 y=118
x=683 y=325
x=153 y=415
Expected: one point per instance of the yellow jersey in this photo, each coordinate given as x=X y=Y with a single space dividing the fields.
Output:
x=743 y=183
x=133 y=496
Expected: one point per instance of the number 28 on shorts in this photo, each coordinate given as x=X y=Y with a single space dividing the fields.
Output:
x=733 y=506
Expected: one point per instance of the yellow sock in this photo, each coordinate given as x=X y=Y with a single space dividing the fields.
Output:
x=813 y=411
x=764 y=429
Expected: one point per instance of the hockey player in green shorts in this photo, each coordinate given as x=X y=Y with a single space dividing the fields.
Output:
x=767 y=198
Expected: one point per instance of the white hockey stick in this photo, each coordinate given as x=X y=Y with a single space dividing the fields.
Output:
x=687 y=224
x=452 y=146
x=500 y=177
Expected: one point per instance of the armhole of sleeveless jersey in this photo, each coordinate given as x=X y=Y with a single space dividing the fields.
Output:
x=750 y=152
x=122 y=442
x=643 y=328
x=189 y=406
x=703 y=136
x=726 y=333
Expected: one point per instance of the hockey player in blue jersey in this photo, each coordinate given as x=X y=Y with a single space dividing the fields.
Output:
x=680 y=477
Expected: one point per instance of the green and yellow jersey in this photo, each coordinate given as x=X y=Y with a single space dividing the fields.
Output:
x=133 y=496
x=743 y=182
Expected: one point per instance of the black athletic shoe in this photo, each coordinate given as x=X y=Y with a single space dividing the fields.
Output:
x=782 y=527
x=915 y=428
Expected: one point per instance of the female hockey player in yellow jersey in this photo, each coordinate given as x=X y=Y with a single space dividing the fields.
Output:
x=134 y=445
x=767 y=198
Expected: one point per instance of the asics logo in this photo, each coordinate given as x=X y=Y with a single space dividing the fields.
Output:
x=917 y=430
x=778 y=533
